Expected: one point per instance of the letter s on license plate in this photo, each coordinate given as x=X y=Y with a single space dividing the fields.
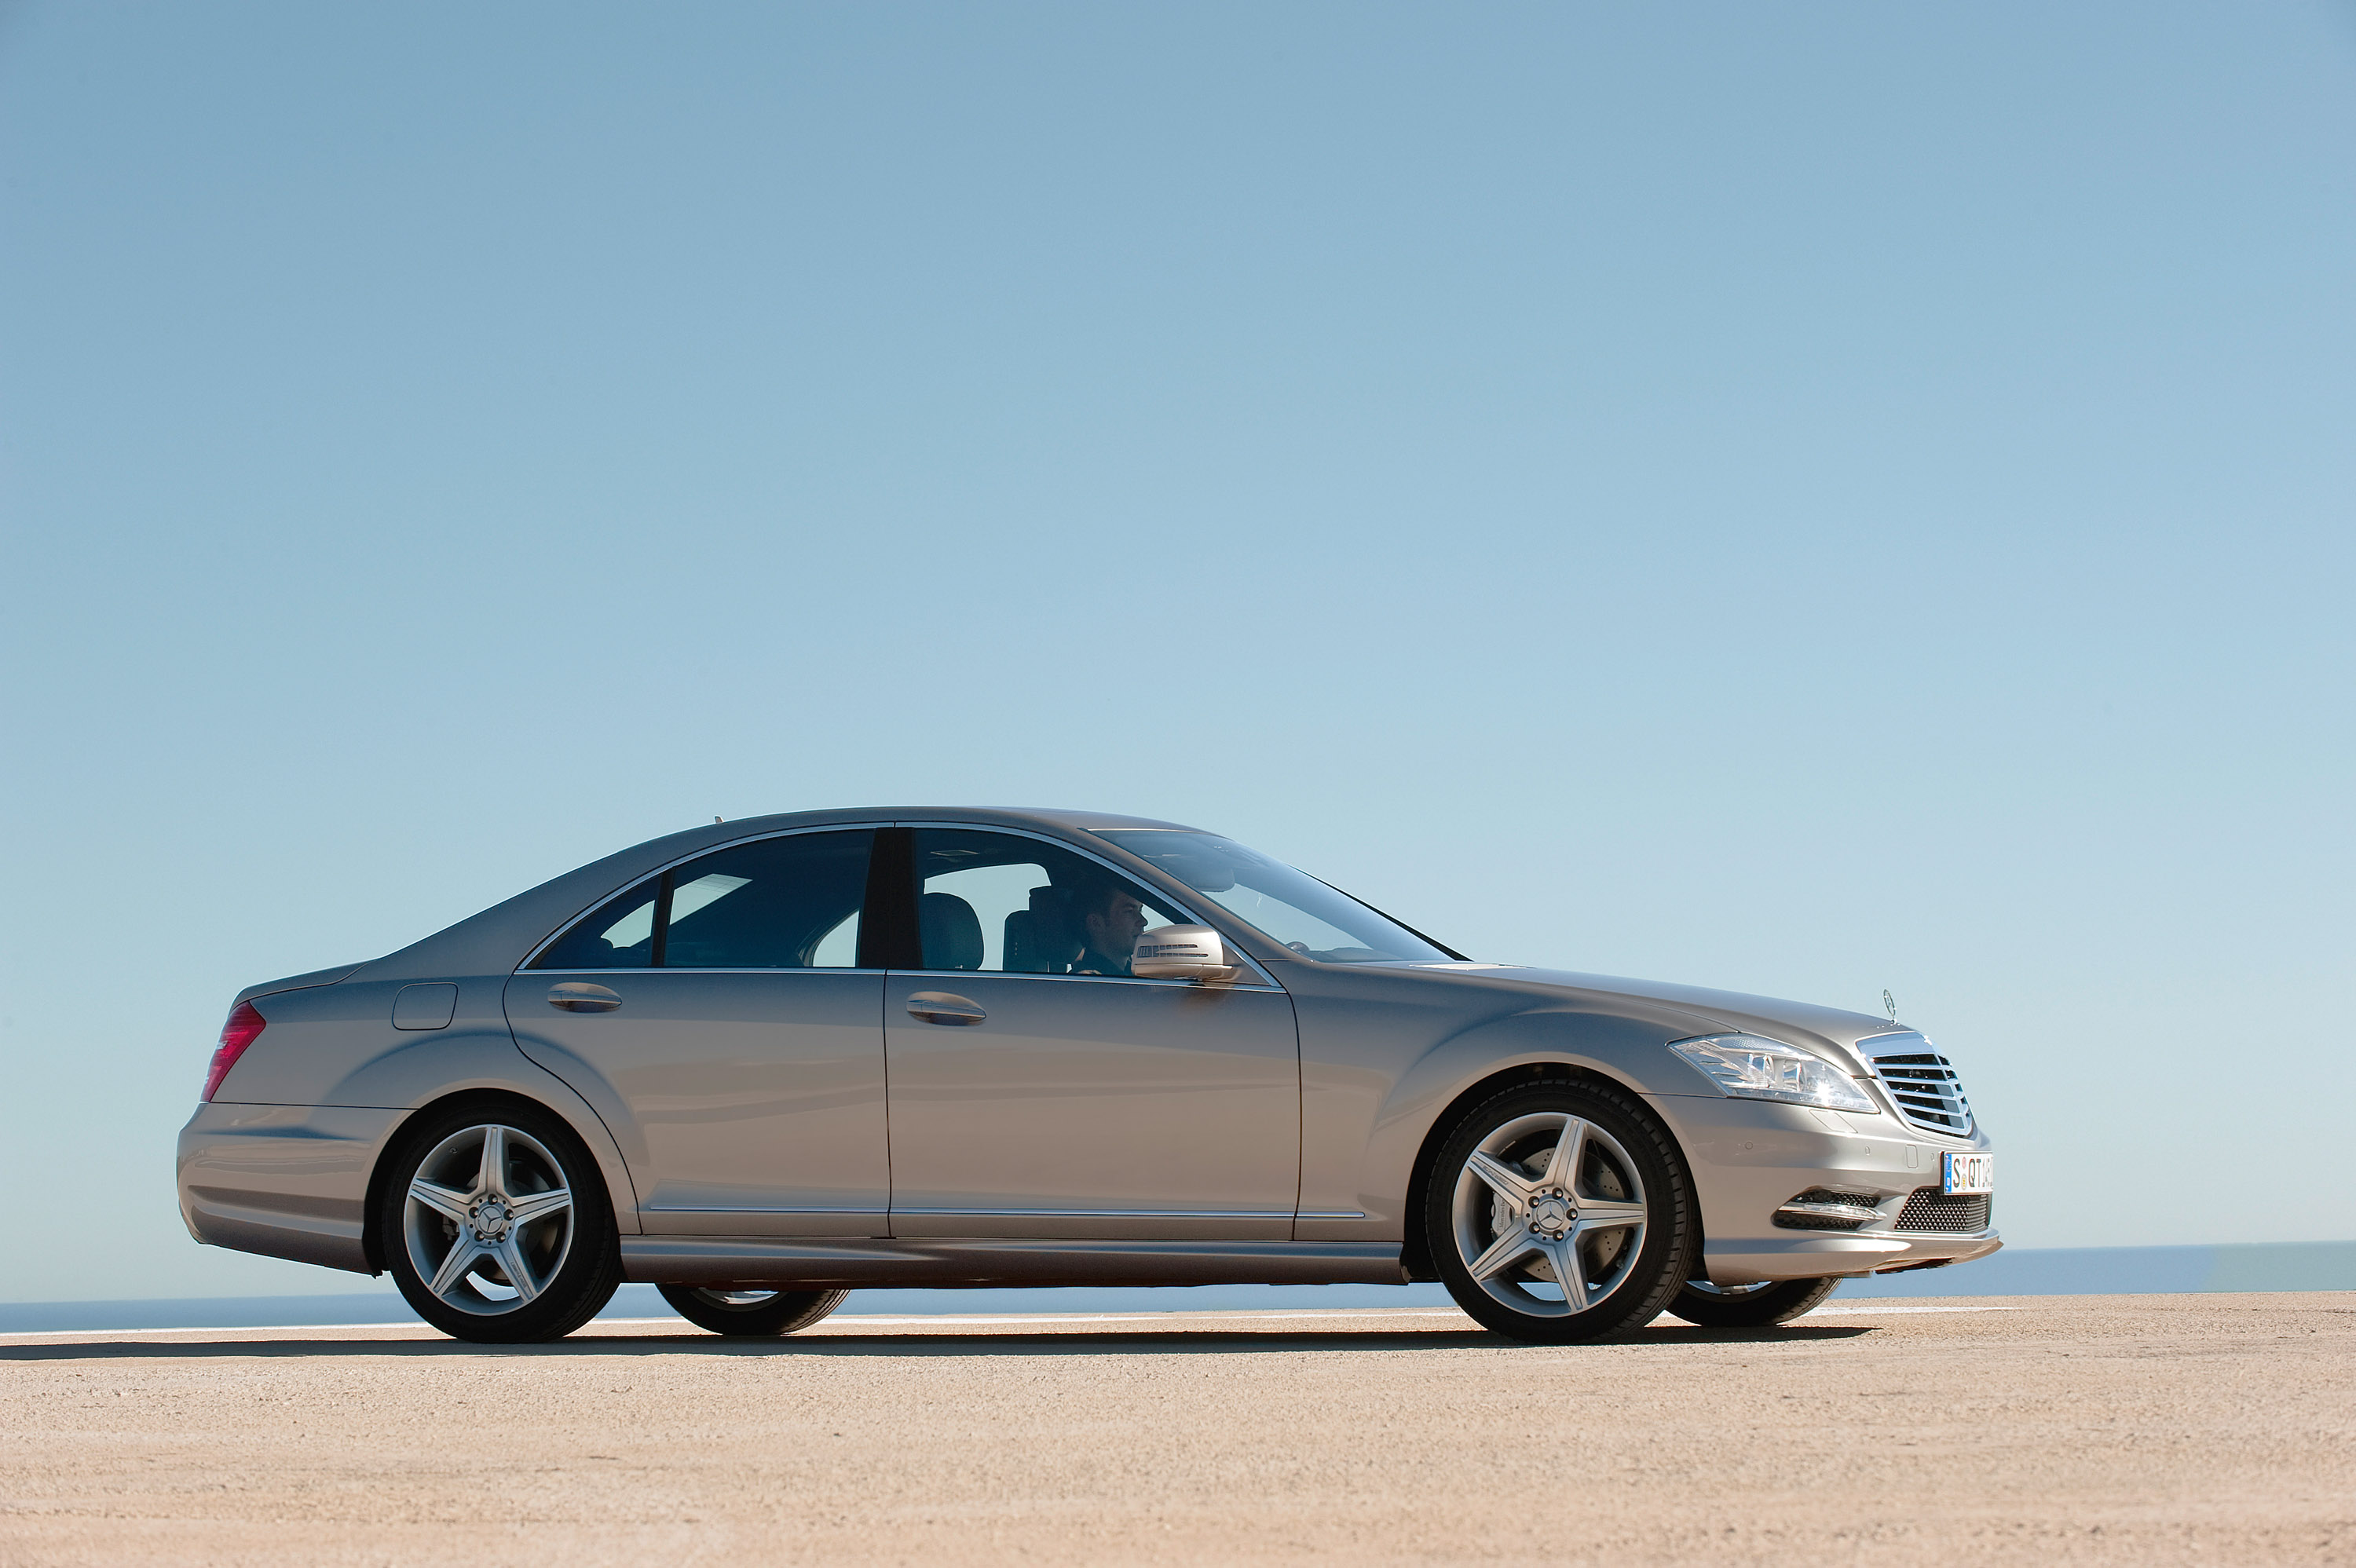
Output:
x=1967 y=1173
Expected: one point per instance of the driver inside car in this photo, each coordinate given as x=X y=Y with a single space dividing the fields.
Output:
x=1112 y=921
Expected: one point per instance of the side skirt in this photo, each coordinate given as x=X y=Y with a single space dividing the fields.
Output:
x=936 y=1261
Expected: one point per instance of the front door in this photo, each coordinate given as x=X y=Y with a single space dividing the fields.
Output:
x=1037 y=1090
x=716 y=1016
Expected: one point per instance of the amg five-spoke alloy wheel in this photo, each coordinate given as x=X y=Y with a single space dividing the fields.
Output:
x=496 y=1226
x=751 y=1314
x=1560 y=1212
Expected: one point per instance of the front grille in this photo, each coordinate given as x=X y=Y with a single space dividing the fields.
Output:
x=1923 y=1086
x=1932 y=1210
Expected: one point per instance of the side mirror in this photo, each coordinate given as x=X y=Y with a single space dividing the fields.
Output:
x=1181 y=953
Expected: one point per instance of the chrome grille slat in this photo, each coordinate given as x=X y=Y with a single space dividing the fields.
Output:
x=1920 y=1083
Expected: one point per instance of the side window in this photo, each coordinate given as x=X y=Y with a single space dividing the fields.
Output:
x=1004 y=904
x=776 y=904
x=621 y=935
x=770 y=904
x=839 y=948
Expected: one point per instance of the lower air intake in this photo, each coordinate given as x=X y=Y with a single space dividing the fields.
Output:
x=1932 y=1210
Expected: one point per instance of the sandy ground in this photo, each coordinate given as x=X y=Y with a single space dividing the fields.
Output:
x=2099 y=1429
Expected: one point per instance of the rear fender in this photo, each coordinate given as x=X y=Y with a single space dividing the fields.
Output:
x=527 y=1080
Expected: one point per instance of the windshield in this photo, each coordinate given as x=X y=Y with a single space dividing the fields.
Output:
x=1287 y=906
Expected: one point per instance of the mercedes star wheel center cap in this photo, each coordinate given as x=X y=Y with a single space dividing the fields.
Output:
x=1551 y=1214
x=491 y=1221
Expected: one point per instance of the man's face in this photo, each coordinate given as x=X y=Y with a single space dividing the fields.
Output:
x=1114 y=930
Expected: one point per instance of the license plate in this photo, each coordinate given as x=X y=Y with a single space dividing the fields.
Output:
x=1967 y=1173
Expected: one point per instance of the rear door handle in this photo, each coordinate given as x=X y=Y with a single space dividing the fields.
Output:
x=942 y=1008
x=580 y=996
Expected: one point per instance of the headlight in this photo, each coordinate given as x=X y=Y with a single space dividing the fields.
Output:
x=1750 y=1068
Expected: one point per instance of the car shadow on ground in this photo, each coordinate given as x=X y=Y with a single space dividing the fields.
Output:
x=1134 y=1342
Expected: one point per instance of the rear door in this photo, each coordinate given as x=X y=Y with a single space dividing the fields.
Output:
x=1040 y=1090
x=718 y=1018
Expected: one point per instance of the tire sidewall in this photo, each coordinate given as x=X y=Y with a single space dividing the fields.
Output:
x=782 y=1314
x=1755 y=1310
x=1672 y=1228
x=591 y=1271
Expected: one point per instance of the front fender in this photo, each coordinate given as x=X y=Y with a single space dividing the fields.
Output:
x=1625 y=1046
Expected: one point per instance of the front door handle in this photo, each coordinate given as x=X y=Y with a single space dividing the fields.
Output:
x=942 y=1008
x=580 y=996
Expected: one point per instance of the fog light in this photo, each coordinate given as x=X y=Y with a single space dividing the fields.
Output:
x=1821 y=1209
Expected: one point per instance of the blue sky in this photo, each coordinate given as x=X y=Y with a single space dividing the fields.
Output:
x=1807 y=500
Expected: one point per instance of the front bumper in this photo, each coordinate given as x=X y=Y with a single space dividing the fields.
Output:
x=1749 y=1157
x=286 y=1181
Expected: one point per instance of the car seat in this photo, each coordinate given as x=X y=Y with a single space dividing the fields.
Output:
x=951 y=931
x=1040 y=940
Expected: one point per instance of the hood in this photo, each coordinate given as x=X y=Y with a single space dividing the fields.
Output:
x=1833 y=1032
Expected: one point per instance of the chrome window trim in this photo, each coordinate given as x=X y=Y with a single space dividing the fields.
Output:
x=1034 y=975
x=691 y=969
x=1265 y=982
x=564 y=927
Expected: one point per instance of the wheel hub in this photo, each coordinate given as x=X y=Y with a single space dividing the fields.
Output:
x=1552 y=1213
x=490 y=1220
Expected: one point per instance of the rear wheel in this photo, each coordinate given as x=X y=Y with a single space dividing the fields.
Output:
x=1748 y=1306
x=496 y=1226
x=751 y=1314
x=1561 y=1211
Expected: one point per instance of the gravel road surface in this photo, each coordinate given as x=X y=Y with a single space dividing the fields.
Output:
x=2217 y=1429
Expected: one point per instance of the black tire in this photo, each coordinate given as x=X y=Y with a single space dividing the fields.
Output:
x=1751 y=1306
x=1632 y=1169
x=570 y=1252
x=751 y=1314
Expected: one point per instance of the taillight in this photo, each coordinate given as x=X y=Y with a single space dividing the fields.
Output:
x=244 y=1026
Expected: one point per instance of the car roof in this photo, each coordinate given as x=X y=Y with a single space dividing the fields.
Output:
x=1067 y=817
x=499 y=937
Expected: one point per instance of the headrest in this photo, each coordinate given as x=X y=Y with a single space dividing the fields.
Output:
x=1040 y=940
x=951 y=931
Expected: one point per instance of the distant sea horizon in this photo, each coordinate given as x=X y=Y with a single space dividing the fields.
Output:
x=2028 y=1271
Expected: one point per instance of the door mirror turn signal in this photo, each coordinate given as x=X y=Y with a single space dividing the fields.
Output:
x=1183 y=953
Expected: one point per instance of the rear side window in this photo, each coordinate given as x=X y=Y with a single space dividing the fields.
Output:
x=770 y=904
x=619 y=936
x=776 y=904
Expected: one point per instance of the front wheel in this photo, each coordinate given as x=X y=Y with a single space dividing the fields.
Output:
x=751 y=1314
x=1561 y=1211
x=1748 y=1306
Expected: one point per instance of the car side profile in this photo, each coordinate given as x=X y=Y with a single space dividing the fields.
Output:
x=766 y=1063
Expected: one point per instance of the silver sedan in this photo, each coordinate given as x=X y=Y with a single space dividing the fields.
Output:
x=766 y=1063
